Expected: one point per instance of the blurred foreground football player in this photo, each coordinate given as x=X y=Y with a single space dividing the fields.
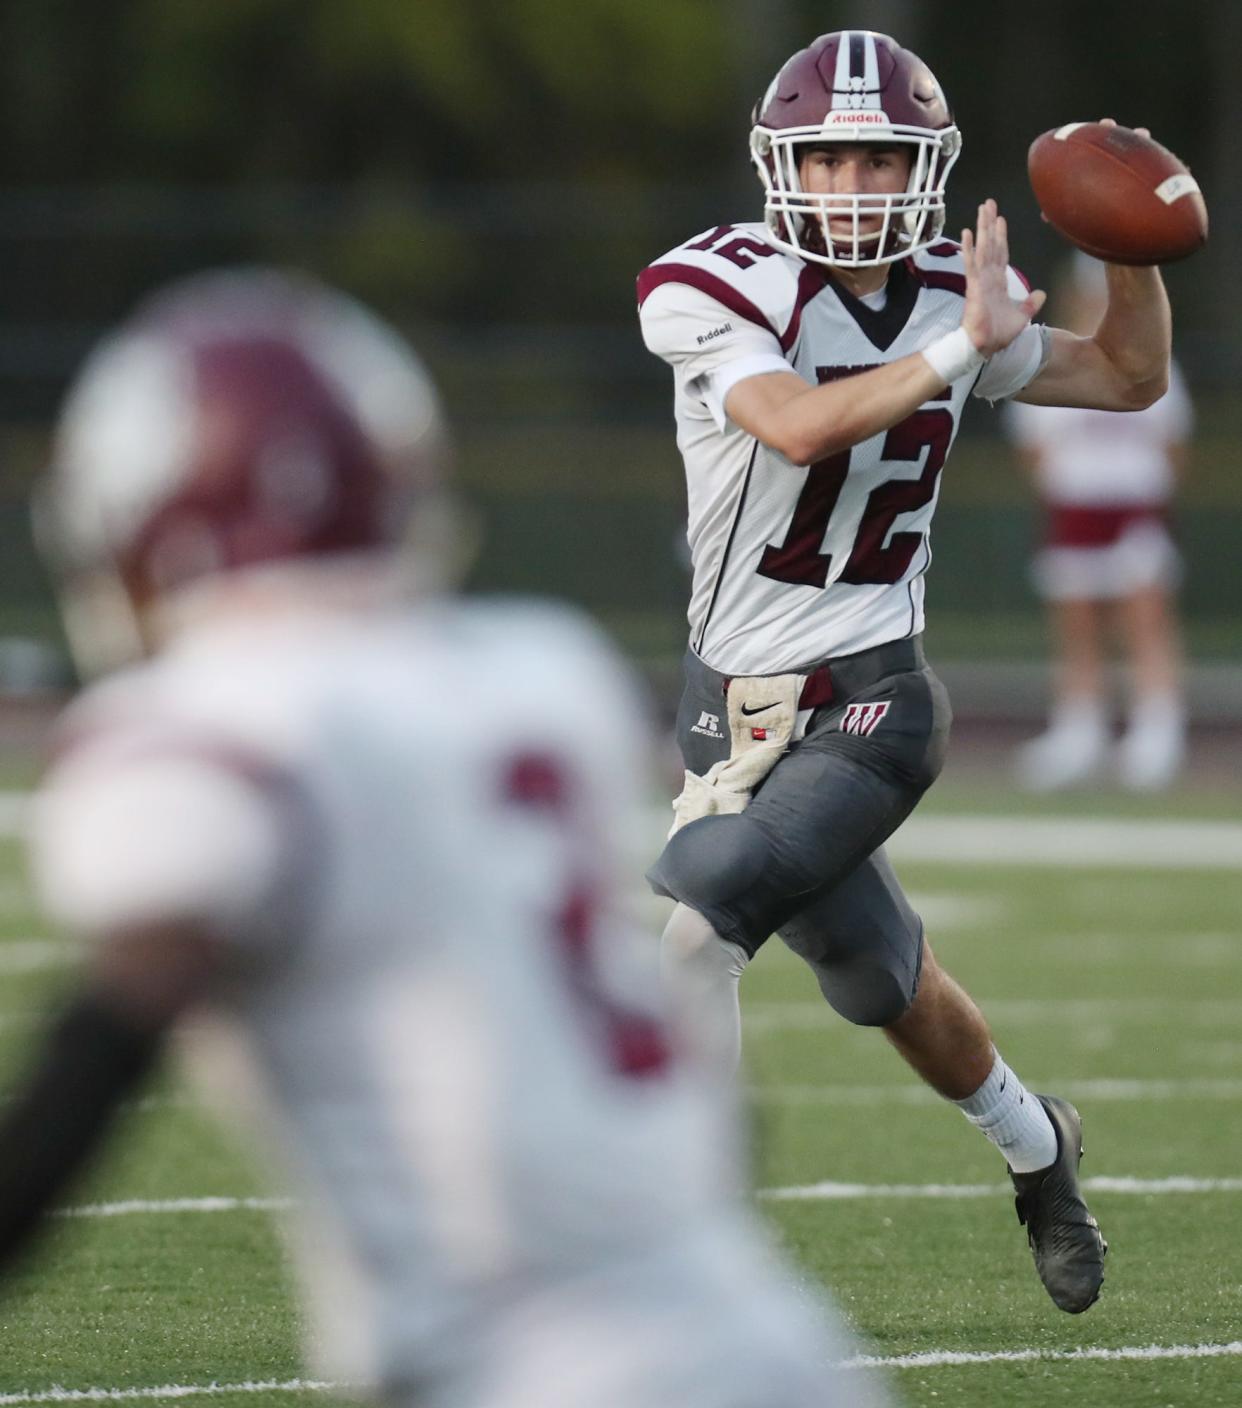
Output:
x=379 y=838
x=821 y=361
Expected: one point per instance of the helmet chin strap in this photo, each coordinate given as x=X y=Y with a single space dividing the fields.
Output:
x=855 y=249
x=811 y=237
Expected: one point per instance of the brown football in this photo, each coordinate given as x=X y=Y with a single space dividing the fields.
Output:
x=1116 y=194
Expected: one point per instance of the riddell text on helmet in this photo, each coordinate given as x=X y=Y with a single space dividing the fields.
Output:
x=856 y=117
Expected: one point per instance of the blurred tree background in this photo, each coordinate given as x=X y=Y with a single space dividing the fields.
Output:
x=491 y=175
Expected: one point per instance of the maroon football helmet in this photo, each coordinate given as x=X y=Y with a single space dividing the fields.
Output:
x=239 y=420
x=854 y=86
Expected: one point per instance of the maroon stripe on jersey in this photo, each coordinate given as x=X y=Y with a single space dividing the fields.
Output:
x=655 y=275
x=945 y=250
x=940 y=278
x=1096 y=525
x=810 y=282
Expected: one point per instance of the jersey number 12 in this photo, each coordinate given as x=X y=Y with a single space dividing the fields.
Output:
x=876 y=557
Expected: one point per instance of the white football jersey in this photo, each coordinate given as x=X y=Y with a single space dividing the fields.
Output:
x=412 y=830
x=793 y=565
x=1105 y=458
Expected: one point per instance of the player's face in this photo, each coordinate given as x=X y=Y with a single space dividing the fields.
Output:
x=853 y=168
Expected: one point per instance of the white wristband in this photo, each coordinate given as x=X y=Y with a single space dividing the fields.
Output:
x=953 y=355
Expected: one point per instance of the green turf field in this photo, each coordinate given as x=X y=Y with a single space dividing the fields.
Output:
x=1118 y=987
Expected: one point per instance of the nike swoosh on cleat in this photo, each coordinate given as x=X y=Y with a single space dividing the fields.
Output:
x=762 y=709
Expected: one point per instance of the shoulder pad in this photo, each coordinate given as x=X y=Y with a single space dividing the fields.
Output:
x=738 y=267
x=941 y=266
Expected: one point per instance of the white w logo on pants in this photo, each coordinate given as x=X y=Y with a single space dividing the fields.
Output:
x=862 y=718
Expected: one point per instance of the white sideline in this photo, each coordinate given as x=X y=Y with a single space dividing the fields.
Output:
x=123 y=1395
x=1127 y=842
x=932 y=1359
x=829 y=1191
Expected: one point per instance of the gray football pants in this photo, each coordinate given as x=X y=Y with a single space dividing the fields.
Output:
x=805 y=860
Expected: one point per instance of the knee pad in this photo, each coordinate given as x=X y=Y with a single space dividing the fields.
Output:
x=710 y=862
x=864 y=944
x=865 y=993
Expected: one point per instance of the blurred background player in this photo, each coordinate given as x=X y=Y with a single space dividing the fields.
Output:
x=1107 y=564
x=822 y=361
x=379 y=838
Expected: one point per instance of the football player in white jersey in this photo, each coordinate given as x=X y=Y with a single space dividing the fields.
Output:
x=1106 y=485
x=821 y=362
x=379 y=838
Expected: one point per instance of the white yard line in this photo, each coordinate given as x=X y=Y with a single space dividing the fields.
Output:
x=808 y=1192
x=1127 y=843
x=165 y=1205
x=927 y=1359
x=1132 y=844
x=1019 y=1011
x=13 y=809
x=949 y=911
x=17 y=1019
x=1106 y=1090
x=1173 y=944
x=935 y=1358
x=18 y=956
x=848 y=1192
x=123 y=1395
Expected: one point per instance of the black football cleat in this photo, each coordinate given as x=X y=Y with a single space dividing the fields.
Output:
x=1065 y=1238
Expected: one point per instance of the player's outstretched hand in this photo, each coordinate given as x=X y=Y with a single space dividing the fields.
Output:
x=992 y=318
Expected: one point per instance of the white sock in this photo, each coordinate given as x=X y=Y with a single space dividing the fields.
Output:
x=702 y=972
x=1013 y=1119
x=1077 y=715
x=1158 y=712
